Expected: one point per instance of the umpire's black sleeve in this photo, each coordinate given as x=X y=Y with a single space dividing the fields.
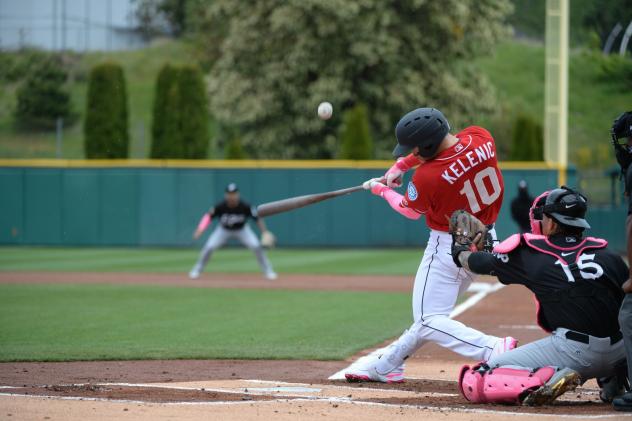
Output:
x=481 y=262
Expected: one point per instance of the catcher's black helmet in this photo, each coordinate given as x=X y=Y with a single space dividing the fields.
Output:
x=567 y=207
x=423 y=127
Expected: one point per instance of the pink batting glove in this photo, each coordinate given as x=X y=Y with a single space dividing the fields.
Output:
x=376 y=185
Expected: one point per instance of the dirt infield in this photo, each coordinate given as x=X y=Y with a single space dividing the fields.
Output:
x=232 y=389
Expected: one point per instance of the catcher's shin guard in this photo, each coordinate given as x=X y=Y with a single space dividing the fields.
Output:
x=480 y=384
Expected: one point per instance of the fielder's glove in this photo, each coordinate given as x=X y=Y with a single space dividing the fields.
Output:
x=268 y=240
x=468 y=234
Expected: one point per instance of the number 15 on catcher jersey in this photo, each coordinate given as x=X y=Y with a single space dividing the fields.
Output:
x=464 y=176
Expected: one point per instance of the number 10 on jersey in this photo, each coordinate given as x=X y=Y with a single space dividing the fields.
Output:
x=478 y=190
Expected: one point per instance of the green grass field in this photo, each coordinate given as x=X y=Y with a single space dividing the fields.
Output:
x=87 y=322
x=318 y=261
x=102 y=322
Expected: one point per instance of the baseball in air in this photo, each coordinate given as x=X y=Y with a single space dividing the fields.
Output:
x=325 y=110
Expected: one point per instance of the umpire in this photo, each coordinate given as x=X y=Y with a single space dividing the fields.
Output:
x=622 y=129
x=577 y=284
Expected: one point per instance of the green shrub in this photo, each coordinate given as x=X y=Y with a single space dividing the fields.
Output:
x=193 y=113
x=43 y=97
x=106 y=121
x=355 y=137
x=180 y=116
x=617 y=68
x=164 y=128
x=234 y=150
x=527 y=140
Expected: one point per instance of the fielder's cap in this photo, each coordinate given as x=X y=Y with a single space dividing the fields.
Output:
x=423 y=127
x=231 y=188
x=567 y=207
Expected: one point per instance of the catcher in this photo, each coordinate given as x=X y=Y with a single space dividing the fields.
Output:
x=233 y=214
x=577 y=285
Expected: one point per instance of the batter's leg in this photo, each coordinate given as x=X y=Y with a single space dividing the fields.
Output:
x=437 y=285
x=217 y=239
x=250 y=240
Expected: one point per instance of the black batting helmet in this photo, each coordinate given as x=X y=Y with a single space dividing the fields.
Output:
x=567 y=207
x=423 y=127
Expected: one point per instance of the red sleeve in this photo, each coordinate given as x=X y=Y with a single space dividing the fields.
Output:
x=414 y=198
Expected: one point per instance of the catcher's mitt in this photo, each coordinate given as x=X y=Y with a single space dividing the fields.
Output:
x=268 y=240
x=468 y=230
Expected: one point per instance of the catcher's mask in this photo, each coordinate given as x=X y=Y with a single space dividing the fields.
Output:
x=535 y=213
x=622 y=129
x=567 y=207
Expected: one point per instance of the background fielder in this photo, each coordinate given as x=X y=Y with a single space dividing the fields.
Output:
x=452 y=172
x=233 y=214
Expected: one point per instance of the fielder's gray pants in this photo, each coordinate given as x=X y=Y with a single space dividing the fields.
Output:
x=246 y=236
x=596 y=359
x=625 y=321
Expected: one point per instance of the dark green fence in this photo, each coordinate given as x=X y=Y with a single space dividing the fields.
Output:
x=161 y=206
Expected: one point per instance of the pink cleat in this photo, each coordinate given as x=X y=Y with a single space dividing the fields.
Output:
x=354 y=375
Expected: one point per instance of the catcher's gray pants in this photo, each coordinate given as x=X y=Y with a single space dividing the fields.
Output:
x=596 y=359
x=218 y=238
x=625 y=321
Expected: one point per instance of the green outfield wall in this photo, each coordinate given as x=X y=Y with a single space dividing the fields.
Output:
x=159 y=203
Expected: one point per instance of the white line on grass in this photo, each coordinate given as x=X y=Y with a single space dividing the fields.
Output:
x=481 y=289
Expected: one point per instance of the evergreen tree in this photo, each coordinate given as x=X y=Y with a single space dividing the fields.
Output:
x=193 y=113
x=234 y=150
x=106 y=120
x=527 y=140
x=164 y=128
x=355 y=138
x=43 y=97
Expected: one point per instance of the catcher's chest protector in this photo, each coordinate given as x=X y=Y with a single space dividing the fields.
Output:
x=568 y=255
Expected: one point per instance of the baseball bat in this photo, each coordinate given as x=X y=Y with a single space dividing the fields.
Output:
x=279 y=206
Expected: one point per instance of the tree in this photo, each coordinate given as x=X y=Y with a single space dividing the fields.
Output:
x=234 y=149
x=106 y=122
x=192 y=113
x=180 y=117
x=275 y=61
x=527 y=140
x=43 y=97
x=355 y=137
x=159 y=16
x=164 y=128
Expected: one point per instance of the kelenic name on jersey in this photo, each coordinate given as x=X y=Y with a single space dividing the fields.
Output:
x=468 y=161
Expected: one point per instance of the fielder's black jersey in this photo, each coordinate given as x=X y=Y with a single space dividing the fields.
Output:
x=628 y=188
x=576 y=282
x=233 y=218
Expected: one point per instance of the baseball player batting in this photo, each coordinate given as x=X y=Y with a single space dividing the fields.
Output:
x=451 y=172
x=233 y=214
x=577 y=283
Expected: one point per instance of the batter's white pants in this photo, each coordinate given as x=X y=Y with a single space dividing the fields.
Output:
x=438 y=284
x=246 y=236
